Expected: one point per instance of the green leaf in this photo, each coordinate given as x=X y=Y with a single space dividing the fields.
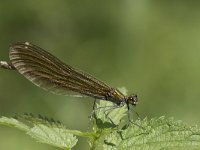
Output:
x=13 y=123
x=108 y=113
x=55 y=136
x=43 y=130
x=110 y=131
x=160 y=133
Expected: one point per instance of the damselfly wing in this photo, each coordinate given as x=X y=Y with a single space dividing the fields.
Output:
x=48 y=72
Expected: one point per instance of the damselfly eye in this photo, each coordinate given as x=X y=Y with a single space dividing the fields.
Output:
x=132 y=99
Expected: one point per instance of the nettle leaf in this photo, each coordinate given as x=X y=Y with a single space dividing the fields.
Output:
x=160 y=133
x=12 y=122
x=108 y=113
x=43 y=130
x=53 y=136
x=110 y=131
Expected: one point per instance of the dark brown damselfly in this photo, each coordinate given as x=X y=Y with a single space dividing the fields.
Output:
x=48 y=72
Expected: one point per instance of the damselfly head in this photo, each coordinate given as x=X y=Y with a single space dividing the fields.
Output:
x=132 y=99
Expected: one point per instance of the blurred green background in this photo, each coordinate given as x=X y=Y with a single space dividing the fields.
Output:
x=150 y=47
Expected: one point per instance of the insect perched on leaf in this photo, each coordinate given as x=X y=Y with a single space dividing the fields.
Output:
x=48 y=72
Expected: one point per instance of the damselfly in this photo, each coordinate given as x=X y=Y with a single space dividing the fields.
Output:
x=48 y=72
